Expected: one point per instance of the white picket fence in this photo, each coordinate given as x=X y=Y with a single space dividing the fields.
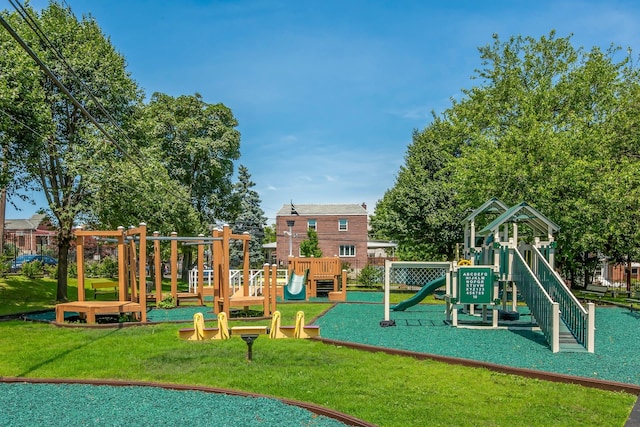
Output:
x=236 y=279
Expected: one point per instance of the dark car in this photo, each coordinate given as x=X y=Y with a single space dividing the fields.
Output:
x=23 y=259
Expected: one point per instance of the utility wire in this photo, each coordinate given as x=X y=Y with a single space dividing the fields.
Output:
x=60 y=86
x=40 y=34
x=22 y=123
x=35 y=27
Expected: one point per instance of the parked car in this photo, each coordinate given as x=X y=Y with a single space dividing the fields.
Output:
x=23 y=259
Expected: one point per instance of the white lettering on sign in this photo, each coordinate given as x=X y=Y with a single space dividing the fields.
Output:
x=474 y=282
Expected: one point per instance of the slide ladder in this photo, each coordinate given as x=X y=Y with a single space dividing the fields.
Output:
x=565 y=323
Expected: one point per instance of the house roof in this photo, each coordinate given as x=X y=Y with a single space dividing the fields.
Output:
x=523 y=214
x=338 y=209
x=24 y=224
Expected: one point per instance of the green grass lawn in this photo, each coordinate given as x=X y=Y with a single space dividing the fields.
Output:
x=382 y=389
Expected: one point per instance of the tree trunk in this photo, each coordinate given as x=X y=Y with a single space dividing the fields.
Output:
x=187 y=260
x=64 y=243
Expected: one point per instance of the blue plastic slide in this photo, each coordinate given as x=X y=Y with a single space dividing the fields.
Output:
x=426 y=290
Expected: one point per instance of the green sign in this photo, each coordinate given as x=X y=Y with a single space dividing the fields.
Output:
x=475 y=285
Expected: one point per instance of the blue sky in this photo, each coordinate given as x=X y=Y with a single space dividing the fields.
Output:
x=328 y=93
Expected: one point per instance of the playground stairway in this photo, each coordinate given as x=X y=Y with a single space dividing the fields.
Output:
x=568 y=342
x=566 y=324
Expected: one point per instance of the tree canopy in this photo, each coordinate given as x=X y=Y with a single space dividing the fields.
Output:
x=76 y=128
x=547 y=123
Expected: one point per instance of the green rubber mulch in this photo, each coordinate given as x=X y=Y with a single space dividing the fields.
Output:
x=26 y=404
x=421 y=328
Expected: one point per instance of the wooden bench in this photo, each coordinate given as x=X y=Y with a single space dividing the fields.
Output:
x=104 y=288
x=90 y=308
x=596 y=290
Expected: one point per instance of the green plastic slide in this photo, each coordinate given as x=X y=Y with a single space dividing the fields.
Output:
x=426 y=290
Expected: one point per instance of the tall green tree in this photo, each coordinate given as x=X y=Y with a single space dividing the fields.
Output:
x=546 y=123
x=251 y=220
x=199 y=142
x=420 y=212
x=63 y=158
x=539 y=130
x=23 y=120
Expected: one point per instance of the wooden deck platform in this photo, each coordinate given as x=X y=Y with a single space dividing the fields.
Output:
x=91 y=308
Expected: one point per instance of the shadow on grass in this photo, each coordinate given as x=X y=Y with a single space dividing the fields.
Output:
x=54 y=358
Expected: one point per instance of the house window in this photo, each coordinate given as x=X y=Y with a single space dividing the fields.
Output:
x=311 y=225
x=343 y=225
x=347 y=250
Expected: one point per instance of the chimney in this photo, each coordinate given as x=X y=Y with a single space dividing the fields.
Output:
x=364 y=206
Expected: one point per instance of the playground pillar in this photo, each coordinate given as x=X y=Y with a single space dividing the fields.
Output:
x=387 y=278
x=80 y=266
x=274 y=287
x=266 y=291
x=174 y=266
x=246 y=262
x=122 y=266
x=200 y=265
x=591 y=327
x=218 y=288
x=224 y=273
x=157 y=267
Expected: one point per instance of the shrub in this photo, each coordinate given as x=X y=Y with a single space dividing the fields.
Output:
x=51 y=271
x=92 y=269
x=369 y=276
x=167 y=302
x=32 y=269
x=108 y=267
x=72 y=270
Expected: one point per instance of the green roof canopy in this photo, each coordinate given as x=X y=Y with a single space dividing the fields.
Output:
x=492 y=205
x=523 y=214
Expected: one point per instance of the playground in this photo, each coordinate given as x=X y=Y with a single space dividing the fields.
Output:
x=501 y=307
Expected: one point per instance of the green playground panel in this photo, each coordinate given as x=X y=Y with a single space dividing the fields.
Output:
x=475 y=285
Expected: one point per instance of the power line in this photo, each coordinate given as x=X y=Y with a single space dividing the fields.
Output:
x=64 y=90
x=35 y=27
x=22 y=123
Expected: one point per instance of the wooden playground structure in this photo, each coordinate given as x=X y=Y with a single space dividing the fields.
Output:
x=322 y=270
x=134 y=291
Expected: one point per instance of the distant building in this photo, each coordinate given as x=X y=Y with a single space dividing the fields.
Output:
x=342 y=231
x=29 y=236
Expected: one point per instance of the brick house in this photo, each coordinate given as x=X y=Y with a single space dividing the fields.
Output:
x=29 y=236
x=341 y=228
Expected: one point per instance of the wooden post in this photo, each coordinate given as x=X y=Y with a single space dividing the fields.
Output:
x=122 y=267
x=246 y=262
x=344 y=285
x=200 y=290
x=274 y=287
x=218 y=291
x=80 y=266
x=142 y=274
x=157 y=266
x=174 y=266
x=266 y=284
x=133 y=269
x=224 y=273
